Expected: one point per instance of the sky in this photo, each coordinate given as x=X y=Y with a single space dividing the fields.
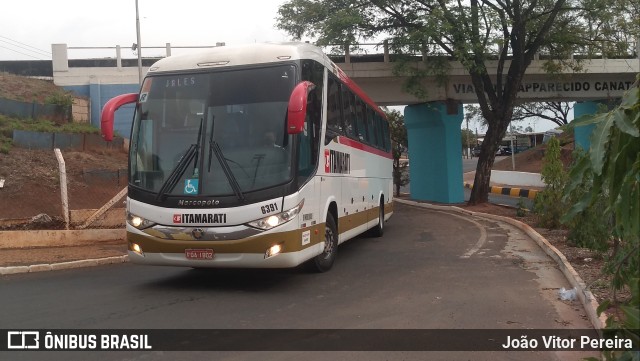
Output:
x=29 y=27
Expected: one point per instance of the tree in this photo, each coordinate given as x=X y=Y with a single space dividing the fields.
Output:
x=399 y=148
x=507 y=33
x=557 y=112
x=548 y=204
x=468 y=139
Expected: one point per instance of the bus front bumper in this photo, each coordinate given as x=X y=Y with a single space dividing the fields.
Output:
x=296 y=246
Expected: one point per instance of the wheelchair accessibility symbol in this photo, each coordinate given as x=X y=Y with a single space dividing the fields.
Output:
x=191 y=186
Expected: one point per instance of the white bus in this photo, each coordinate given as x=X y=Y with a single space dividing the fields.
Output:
x=264 y=155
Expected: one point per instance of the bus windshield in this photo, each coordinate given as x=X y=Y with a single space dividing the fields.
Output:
x=218 y=133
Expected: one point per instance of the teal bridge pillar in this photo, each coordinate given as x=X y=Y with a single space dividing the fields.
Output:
x=582 y=133
x=435 y=151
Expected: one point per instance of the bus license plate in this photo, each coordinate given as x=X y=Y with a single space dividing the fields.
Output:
x=199 y=254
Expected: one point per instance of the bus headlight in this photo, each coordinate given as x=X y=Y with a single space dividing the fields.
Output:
x=138 y=222
x=275 y=220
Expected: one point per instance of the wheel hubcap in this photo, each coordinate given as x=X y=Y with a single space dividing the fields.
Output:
x=328 y=242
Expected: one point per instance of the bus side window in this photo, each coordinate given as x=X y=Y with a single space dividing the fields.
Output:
x=334 y=116
x=348 y=112
x=309 y=139
x=371 y=128
x=380 y=129
x=361 y=114
x=309 y=142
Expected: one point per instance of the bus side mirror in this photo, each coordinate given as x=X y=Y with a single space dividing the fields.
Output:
x=297 y=109
x=108 y=113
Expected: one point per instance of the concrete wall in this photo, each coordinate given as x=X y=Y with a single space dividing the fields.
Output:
x=99 y=94
x=520 y=179
x=114 y=217
x=41 y=140
x=34 y=110
x=54 y=238
x=80 y=110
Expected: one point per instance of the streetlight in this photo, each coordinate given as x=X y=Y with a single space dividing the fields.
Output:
x=139 y=45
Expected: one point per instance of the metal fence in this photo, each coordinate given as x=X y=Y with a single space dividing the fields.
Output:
x=75 y=141
x=14 y=108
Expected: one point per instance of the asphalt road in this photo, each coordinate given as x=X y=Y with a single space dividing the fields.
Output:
x=431 y=270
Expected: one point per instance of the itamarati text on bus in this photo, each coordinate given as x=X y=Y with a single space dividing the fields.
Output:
x=265 y=155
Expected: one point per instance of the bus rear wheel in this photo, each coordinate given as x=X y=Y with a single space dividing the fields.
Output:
x=324 y=261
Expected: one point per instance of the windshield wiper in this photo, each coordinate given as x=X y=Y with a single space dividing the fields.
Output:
x=213 y=146
x=181 y=167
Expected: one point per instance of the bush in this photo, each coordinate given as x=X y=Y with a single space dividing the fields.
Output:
x=60 y=99
x=613 y=167
x=549 y=205
x=591 y=228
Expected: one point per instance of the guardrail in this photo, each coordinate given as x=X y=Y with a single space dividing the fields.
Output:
x=344 y=53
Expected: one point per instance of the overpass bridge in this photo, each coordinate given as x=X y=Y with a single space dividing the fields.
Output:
x=433 y=123
x=599 y=79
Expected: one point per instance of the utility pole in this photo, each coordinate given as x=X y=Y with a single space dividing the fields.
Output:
x=139 y=47
x=468 y=135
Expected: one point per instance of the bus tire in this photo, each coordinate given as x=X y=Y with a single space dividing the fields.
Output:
x=378 y=230
x=324 y=261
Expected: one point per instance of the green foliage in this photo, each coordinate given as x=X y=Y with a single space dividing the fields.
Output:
x=399 y=148
x=591 y=227
x=61 y=99
x=9 y=124
x=613 y=166
x=549 y=204
x=5 y=145
x=468 y=138
x=521 y=208
x=626 y=325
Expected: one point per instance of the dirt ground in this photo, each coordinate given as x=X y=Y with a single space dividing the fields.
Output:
x=32 y=181
x=26 y=89
x=531 y=159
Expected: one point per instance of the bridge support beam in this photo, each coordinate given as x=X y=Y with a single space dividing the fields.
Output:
x=582 y=134
x=435 y=151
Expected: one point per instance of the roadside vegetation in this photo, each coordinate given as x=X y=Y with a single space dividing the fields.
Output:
x=31 y=90
x=399 y=147
x=601 y=192
x=9 y=124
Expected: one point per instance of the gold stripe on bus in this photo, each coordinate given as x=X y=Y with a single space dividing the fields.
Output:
x=291 y=241
x=351 y=221
x=388 y=208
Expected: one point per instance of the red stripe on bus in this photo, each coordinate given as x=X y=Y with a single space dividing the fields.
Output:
x=369 y=149
x=358 y=91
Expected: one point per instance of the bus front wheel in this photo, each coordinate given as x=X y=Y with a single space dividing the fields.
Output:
x=324 y=261
x=378 y=230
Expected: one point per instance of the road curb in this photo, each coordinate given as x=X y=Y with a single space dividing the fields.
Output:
x=585 y=296
x=510 y=191
x=63 y=265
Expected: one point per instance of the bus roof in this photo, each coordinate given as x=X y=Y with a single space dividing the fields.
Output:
x=224 y=56
x=260 y=53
